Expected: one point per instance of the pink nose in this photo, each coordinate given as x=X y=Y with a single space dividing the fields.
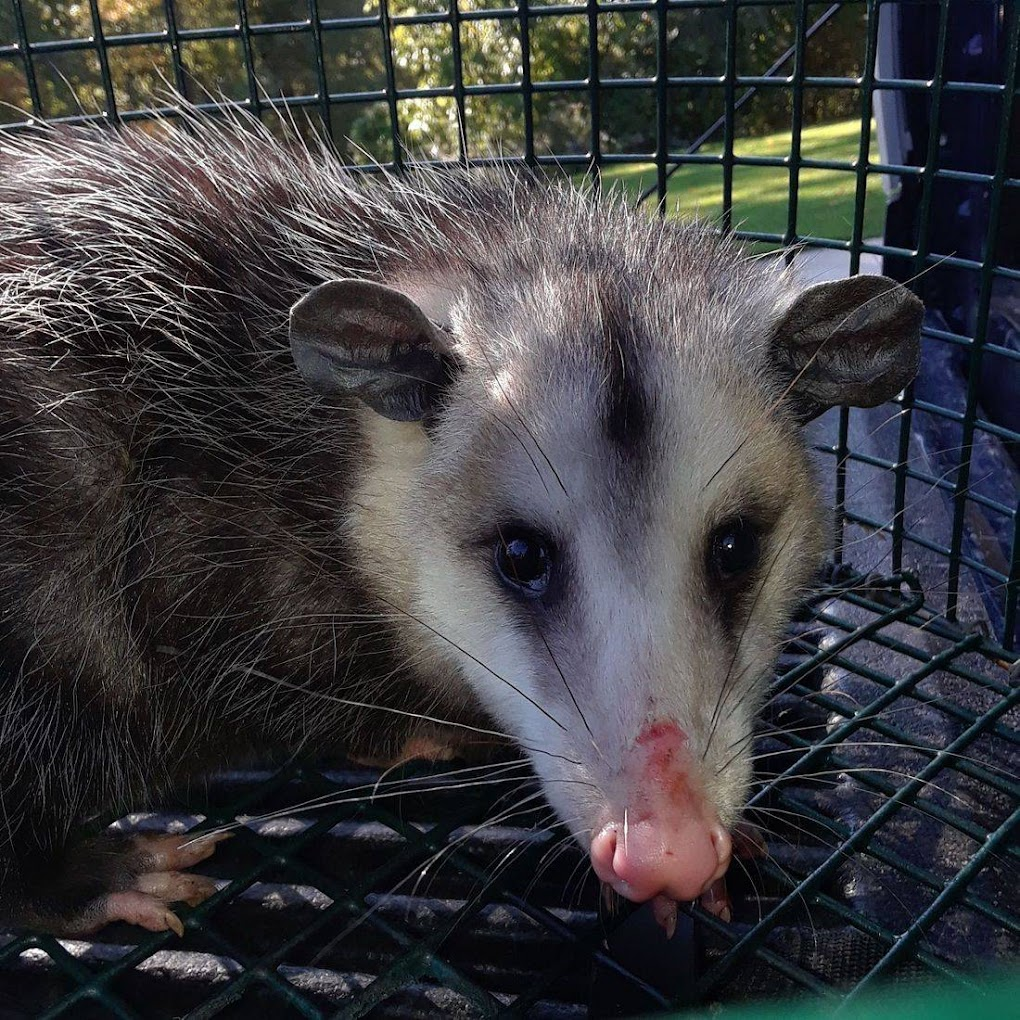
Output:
x=668 y=841
x=648 y=858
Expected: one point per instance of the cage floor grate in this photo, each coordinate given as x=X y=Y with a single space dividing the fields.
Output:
x=887 y=763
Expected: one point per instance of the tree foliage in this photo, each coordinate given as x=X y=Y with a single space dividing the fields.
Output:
x=285 y=63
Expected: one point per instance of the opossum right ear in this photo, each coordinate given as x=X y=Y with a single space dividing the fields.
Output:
x=361 y=339
x=855 y=342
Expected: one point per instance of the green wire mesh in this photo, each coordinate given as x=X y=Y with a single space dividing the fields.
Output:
x=890 y=749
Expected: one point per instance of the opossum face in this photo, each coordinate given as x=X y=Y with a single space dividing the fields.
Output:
x=604 y=527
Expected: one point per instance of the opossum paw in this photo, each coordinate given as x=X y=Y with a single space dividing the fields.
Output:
x=173 y=853
x=413 y=749
x=426 y=749
x=155 y=865
x=147 y=903
x=129 y=877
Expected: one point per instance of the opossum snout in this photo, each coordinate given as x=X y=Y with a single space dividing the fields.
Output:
x=653 y=857
x=662 y=837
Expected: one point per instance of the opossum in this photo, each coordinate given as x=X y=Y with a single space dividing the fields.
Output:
x=291 y=458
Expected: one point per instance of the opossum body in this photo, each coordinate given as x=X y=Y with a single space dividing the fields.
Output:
x=292 y=459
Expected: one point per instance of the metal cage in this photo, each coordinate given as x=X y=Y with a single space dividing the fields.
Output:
x=889 y=751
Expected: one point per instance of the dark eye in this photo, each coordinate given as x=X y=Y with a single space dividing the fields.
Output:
x=523 y=561
x=733 y=549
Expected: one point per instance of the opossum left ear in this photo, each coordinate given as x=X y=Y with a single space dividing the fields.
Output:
x=854 y=342
x=361 y=339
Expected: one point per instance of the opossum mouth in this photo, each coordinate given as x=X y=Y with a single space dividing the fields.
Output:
x=748 y=842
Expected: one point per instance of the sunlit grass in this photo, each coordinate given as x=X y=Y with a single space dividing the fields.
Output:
x=761 y=195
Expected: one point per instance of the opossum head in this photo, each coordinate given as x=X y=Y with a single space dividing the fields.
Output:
x=590 y=493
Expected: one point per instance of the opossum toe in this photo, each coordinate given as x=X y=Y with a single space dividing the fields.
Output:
x=174 y=853
x=143 y=909
x=176 y=887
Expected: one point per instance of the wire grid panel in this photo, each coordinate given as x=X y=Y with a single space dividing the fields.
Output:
x=887 y=766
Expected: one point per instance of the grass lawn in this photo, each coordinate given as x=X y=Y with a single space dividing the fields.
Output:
x=825 y=205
